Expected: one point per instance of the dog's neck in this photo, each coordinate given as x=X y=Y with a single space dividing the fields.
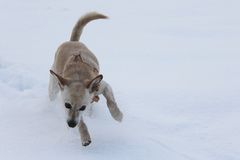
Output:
x=78 y=70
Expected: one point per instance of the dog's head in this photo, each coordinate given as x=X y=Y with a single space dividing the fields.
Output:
x=77 y=95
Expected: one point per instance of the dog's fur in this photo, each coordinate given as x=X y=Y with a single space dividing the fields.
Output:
x=75 y=73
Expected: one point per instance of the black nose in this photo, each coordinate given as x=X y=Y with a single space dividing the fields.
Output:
x=71 y=123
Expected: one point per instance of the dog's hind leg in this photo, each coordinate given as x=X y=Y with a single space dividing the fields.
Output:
x=107 y=92
x=85 y=136
x=53 y=88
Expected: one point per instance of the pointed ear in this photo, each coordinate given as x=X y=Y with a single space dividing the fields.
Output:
x=93 y=85
x=61 y=81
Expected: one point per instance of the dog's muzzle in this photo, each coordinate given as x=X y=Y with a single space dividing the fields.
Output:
x=72 y=123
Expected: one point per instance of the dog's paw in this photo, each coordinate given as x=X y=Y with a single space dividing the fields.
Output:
x=115 y=111
x=118 y=116
x=86 y=143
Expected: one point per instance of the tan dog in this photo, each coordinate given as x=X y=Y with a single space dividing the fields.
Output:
x=75 y=73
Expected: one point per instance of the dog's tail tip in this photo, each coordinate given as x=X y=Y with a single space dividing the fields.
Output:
x=100 y=15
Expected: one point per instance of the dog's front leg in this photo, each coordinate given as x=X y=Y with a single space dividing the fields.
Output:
x=53 y=88
x=107 y=92
x=85 y=137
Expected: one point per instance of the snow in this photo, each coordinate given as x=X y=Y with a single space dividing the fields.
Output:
x=174 y=67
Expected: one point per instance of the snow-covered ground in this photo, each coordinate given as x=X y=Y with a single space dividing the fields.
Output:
x=174 y=66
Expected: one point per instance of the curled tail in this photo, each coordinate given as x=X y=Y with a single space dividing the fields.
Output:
x=78 y=28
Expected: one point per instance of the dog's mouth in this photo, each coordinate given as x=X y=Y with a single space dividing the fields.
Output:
x=72 y=124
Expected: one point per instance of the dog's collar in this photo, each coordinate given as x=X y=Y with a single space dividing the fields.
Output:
x=95 y=99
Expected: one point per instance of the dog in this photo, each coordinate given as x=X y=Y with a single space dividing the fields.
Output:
x=75 y=74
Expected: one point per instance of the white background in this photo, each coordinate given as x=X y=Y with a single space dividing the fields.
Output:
x=174 y=67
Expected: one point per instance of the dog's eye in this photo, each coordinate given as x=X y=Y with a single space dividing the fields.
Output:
x=82 y=108
x=68 y=105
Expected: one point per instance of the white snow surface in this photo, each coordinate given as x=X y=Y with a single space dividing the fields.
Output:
x=174 y=67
